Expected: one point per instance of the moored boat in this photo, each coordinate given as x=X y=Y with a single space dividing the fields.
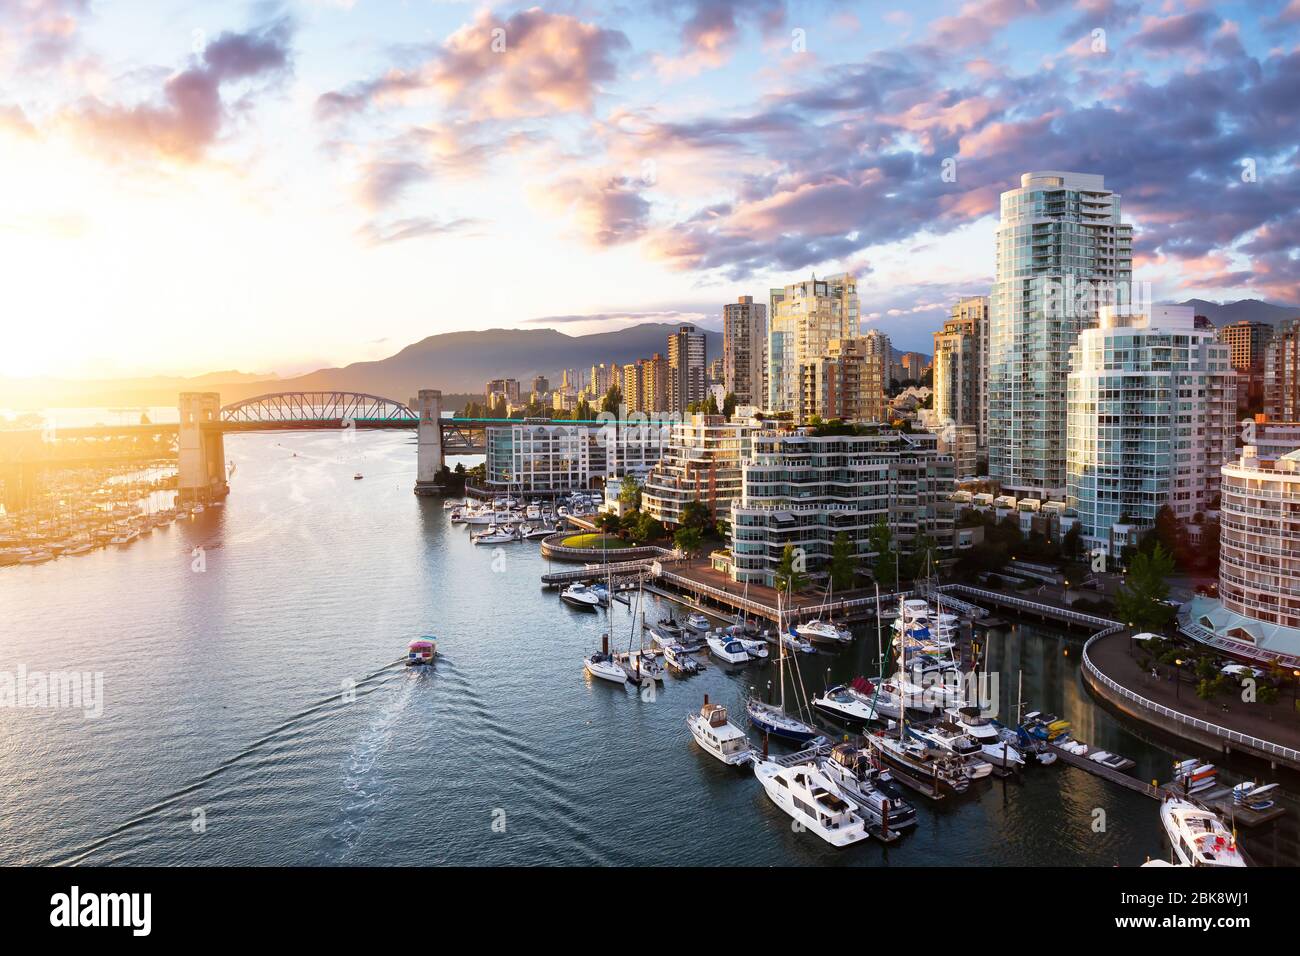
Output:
x=718 y=736
x=812 y=799
x=727 y=649
x=602 y=665
x=580 y=596
x=1198 y=836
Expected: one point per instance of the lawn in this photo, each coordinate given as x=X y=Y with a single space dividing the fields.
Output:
x=595 y=542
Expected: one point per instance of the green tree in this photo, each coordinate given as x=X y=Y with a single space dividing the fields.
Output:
x=880 y=540
x=729 y=404
x=789 y=576
x=1072 y=543
x=711 y=405
x=609 y=522
x=629 y=493
x=842 y=563
x=613 y=398
x=1139 y=602
x=650 y=528
x=696 y=514
x=688 y=540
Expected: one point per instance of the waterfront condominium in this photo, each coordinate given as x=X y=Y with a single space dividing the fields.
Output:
x=744 y=341
x=960 y=367
x=701 y=462
x=532 y=458
x=1258 y=608
x=1151 y=404
x=877 y=346
x=687 y=358
x=804 y=489
x=1282 y=373
x=806 y=317
x=845 y=383
x=1062 y=252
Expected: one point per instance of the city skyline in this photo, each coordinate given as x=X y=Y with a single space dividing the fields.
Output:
x=325 y=184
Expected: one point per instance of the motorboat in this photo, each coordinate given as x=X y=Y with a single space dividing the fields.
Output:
x=727 y=648
x=878 y=801
x=793 y=642
x=772 y=720
x=494 y=535
x=641 y=666
x=124 y=539
x=719 y=736
x=996 y=748
x=935 y=773
x=421 y=652
x=813 y=800
x=666 y=632
x=699 y=622
x=451 y=505
x=677 y=658
x=756 y=649
x=946 y=736
x=602 y=665
x=358 y=476
x=580 y=596
x=539 y=531
x=842 y=703
x=1198 y=837
x=85 y=547
x=602 y=594
x=823 y=632
x=36 y=557
x=1046 y=727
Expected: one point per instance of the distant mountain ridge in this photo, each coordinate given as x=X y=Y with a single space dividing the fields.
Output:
x=1243 y=310
x=458 y=363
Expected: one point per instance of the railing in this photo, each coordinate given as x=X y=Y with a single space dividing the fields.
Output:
x=1064 y=613
x=1246 y=740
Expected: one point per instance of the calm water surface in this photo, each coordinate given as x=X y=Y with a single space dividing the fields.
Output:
x=230 y=736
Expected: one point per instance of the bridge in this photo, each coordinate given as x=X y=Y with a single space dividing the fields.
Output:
x=198 y=440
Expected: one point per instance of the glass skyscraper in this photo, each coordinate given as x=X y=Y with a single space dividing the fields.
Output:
x=1062 y=252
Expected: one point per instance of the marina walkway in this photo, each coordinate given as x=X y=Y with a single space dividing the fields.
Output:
x=1227 y=723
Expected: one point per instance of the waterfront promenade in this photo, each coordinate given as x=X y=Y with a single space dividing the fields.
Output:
x=1226 y=723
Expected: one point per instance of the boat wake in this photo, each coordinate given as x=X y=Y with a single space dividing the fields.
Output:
x=316 y=710
x=363 y=780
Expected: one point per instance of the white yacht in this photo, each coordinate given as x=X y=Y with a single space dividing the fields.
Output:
x=823 y=632
x=699 y=622
x=811 y=798
x=945 y=736
x=846 y=705
x=494 y=535
x=995 y=748
x=639 y=666
x=580 y=596
x=718 y=735
x=1198 y=836
x=861 y=784
x=727 y=648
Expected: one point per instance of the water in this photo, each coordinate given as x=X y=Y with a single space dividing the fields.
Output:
x=256 y=713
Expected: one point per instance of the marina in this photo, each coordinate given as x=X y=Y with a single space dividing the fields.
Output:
x=554 y=741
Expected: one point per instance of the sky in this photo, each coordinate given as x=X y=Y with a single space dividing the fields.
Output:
x=275 y=187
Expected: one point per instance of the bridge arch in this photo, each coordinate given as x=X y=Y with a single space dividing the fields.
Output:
x=321 y=409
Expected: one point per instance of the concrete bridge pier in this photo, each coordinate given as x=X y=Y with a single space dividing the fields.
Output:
x=428 y=406
x=201 y=465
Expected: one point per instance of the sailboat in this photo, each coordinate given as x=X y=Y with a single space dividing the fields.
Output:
x=934 y=773
x=639 y=665
x=772 y=719
x=601 y=665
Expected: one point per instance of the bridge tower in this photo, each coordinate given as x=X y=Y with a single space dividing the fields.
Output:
x=428 y=406
x=201 y=451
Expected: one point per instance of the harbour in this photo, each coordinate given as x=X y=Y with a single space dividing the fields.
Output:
x=299 y=773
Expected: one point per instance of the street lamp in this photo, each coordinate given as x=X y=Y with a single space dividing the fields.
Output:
x=1178 y=676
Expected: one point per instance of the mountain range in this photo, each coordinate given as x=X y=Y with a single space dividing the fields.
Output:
x=458 y=363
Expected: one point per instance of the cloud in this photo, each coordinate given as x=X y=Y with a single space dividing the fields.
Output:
x=1188 y=31
x=607 y=206
x=40 y=35
x=192 y=112
x=532 y=64
x=377 y=233
x=711 y=31
x=15 y=122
